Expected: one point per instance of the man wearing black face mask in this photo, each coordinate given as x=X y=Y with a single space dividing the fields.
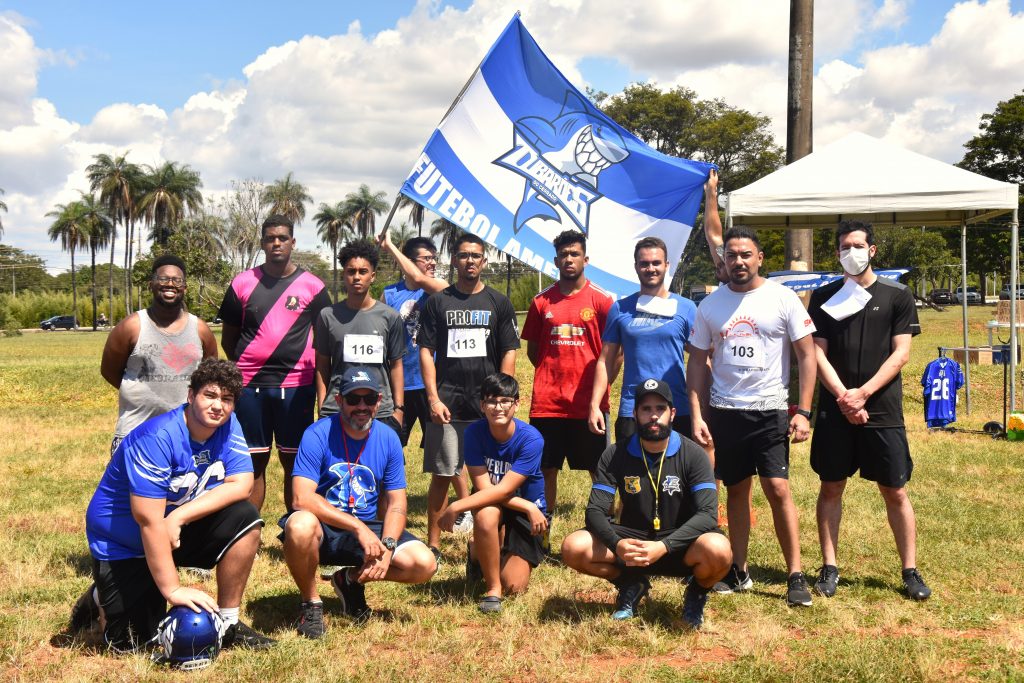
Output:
x=667 y=526
x=864 y=325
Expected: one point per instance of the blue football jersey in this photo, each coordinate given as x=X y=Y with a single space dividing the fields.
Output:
x=520 y=454
x=158 y=459
x=941 y=380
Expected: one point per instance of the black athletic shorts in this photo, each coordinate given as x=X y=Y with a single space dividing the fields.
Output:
x=275 y=414
x=131 y=601
x=671 y=564
x=519 y=539
x=416 y=408
x=625 y=426
x=341 y=547
x=839 y=449
x=572 y=440
x=749 y=442
x=392 y=422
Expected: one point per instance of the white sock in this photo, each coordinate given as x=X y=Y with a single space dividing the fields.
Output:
x=229 y=615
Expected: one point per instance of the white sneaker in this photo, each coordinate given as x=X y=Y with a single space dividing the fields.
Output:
x=464 y=523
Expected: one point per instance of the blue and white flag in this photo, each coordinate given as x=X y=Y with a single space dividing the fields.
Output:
x=523 y=156
x=807 y=281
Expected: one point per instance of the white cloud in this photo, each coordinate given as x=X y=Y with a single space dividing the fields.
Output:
x=891 y=15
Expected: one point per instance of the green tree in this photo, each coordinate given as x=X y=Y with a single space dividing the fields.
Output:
x=416 y=212
x=98 y=230
x=363 y=207
x=402 y=234
x=168 y=192
x=69 y=227
x=117 y=180
x=287 y=197
x=198 y=243
x=924 y=251
x=333 y=224
x=445 y=233
x=3 y=207
x=244 y=212
x=22 y=272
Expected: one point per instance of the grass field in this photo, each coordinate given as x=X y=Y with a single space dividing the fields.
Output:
x=967 y=489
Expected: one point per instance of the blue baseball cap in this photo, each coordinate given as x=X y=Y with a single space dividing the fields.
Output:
x=358 y=377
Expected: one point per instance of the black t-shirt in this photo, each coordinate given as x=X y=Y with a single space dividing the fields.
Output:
x=859 y=345
x=687 y=500
x=469 y=333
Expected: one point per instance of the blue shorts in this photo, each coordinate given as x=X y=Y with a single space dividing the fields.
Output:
x=341 y=548
x=269 y=414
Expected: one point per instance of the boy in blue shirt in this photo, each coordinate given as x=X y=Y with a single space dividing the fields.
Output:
x=503 y=455
x=175 y=493
x=344 y=465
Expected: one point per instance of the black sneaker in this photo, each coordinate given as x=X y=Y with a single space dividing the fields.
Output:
x=734 y=582
x=85 y=612
x=694 y=599
x=632 y=590
x=241 y=635
x=915 y=586
x=352 y=595
x=311 y=620
x=828 y=580
x=798 y=594
x=474 y=573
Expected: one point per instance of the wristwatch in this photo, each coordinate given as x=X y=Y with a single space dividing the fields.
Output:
x=389 y=543
x=805 y=413
x=398 y=407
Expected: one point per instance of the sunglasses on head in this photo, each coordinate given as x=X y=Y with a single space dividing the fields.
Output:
x=365 y=399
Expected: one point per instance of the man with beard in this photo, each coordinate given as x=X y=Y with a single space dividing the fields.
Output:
x=667 y=525
x=360 y=331
x=650 y=328
x=150 y=355
x=344 y=468
x=747 y=328
x=860 y=407
x=472 y=330
x=268 y=313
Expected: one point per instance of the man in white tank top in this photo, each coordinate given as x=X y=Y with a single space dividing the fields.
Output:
x=150 y=355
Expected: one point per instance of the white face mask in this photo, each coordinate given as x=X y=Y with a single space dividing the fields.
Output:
x=855 y=260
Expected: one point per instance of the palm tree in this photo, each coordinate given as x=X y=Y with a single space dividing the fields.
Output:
x=69 y=227
x=402 y=234
x=117 y=181
x=3 y=207
x=288 y=198
x=333 y=223
x=168 y=192
x=416 y=212
x=445 y=233
x=363 y=206
x=98 y=231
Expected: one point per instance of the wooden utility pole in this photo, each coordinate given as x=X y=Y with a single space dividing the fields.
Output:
x=799 y=122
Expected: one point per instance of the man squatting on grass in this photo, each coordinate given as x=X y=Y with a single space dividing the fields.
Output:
x=668 y=523
x=344 y=465
x=175 y=493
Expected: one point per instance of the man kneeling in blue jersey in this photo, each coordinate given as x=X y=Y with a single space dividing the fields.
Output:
x=175 y=494
x=344 y=465
x=668 y=524
x=503 y=456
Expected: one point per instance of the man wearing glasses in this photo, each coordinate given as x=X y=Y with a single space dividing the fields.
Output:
x=472 y=330
x=268 y=313
x=150 y=355
x=345 y=466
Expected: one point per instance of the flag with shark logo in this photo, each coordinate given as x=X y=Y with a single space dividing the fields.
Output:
x=522 y=156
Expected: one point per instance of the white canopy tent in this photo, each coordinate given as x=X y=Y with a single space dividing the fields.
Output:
x=863 y=178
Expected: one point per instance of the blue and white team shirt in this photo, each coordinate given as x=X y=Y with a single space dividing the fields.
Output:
x=520 y=454
x=409 y=304
x=351 y=481
x=941 y=380
x=158 y=459
x=652 y=333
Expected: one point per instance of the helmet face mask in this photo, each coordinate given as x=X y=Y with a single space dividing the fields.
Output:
x=190 y=640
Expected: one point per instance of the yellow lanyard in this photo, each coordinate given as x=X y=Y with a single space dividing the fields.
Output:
x=654 y=484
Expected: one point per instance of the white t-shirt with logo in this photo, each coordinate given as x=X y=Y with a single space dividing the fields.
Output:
x=748 y=334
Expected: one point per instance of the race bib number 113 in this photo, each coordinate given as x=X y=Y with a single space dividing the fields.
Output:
x=467 y=343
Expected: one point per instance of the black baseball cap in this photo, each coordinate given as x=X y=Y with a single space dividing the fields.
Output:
x=358 y=377
x=652 y=386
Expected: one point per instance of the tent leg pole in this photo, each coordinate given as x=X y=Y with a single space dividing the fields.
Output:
x=963 y=308
x=1014 y=247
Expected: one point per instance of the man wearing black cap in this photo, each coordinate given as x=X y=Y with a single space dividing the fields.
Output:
x=668 y=522
x=345 y=463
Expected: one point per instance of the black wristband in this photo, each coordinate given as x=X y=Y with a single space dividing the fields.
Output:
x=805 y=413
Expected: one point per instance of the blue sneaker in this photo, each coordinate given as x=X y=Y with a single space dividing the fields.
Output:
x=631 y=591
x=694 y=599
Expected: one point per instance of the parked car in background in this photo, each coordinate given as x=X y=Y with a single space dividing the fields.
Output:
x=973 y=296
x=59 y=322
x=941 y=296
x=1004 y=293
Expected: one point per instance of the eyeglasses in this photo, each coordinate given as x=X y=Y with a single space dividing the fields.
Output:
x=365 y=399
x=426 y=259
x=469 y=256
x=503 y=403
x=176 y=281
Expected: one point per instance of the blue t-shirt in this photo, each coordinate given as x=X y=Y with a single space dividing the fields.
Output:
x=652 y=346
x=409 y=304
x=520 y=454
x=158 y=459
x=940 y=380
x=352 y=484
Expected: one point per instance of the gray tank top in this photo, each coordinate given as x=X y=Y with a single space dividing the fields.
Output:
x=156 y=377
